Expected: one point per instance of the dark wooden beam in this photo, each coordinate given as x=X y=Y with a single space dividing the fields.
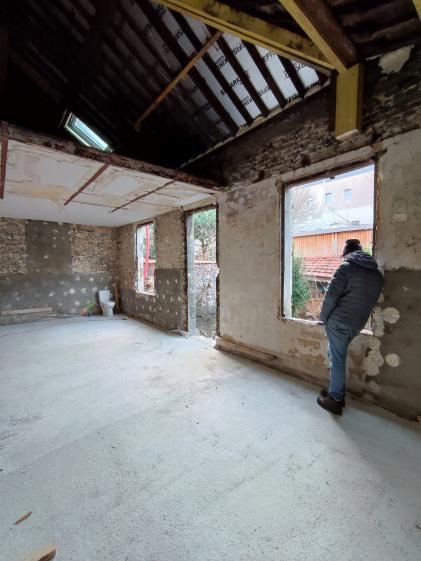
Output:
x=384 y=13
x=241 y=73
x=143 y=195
x=85 y=63
x=293 y=74
x=264 y=71
x=217 y=74
x=182 y=74
x=4 y=148
x=199 y=121
x=317 y=20
x=4 y=57
x=180 y=55
x=87 y=183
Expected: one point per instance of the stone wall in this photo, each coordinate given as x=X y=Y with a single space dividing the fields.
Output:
x=50 y=264
x=384 y=366
x=168 y=306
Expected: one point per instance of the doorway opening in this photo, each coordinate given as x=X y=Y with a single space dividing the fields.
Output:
x=202 y=272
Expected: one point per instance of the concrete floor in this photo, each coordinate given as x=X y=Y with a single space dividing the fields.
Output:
x=129 y=444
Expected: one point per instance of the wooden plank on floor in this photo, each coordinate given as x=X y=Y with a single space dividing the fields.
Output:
x=28 y=311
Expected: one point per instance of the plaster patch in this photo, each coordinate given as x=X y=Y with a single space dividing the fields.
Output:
x=378 y=323
x=391 y=315
x=72 y=291
x=393 y=360
x=77 y=303
x=374 y=360
x=51 y=294
x=391 y=63
x=83 y=290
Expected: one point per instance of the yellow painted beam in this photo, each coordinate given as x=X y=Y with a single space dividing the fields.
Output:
x=253 y=30
x=316 y=20
x=417 y=4
x=349 y=93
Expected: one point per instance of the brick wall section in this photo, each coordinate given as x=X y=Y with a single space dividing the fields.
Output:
x=12 y=246
x=303 y=134
x=94 y=249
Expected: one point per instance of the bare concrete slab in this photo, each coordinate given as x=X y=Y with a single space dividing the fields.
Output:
x=131 y=444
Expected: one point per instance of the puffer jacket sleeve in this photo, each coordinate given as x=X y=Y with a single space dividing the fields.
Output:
x=335 y=290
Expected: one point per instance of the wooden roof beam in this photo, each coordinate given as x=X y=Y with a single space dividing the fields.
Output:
x=223 y=82
x=317 y=20
x=252 y=30
x=417 y=4
x=242 y=74
x=182 y=58
x=264 y=71
x=4 y=148
x=294 y=76
x=182 y=74
x=94 y=177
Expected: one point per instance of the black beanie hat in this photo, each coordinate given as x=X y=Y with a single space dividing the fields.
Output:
x=351 y=245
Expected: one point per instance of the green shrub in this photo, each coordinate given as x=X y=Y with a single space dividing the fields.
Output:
x=301 y=292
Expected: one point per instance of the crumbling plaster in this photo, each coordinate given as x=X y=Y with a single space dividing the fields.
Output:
x=383 y=366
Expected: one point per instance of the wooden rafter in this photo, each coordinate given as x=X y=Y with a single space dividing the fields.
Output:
x=252 y=29
x=182 y=74
x=182 y=58
x=319 y=23
x=294 y=76
x=223 y=82
x=241 y=73
x=4 y=148
x=143 y=195
x=87 y=183
x=264 y=71
x=4 y=56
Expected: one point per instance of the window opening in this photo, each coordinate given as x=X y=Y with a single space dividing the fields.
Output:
x=314 y=236
x=146 y=258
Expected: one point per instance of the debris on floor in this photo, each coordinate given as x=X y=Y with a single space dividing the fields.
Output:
x=46 y=553
x=22 y=518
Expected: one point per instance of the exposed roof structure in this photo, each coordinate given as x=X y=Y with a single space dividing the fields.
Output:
x=159 y=85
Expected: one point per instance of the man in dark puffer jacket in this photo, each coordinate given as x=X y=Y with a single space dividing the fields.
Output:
x=353 y=292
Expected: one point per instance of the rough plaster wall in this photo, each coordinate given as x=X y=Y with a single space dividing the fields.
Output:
x=383 y=366
x=304 y=134
x=12 y=246
x=168 y=306
x=37 y=268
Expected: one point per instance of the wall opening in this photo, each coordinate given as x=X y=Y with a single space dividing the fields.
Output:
x=202 y=272
x=146 y=258
x=319 y=216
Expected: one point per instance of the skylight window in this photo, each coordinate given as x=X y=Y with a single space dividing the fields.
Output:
x=85 y=134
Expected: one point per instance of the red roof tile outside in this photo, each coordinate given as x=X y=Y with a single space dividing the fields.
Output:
x=321 y=267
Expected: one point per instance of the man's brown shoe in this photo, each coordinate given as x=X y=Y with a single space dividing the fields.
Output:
x=324 y=393
x=330 y=404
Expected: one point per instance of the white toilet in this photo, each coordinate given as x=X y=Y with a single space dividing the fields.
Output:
x=107 y=305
